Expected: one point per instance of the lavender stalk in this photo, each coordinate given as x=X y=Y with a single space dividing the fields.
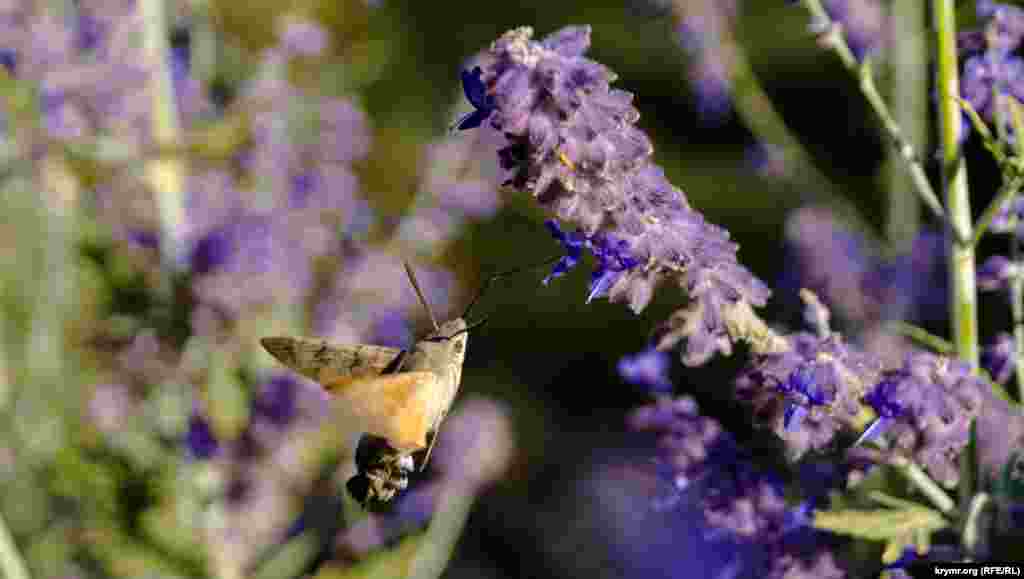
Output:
x=166 y=176
x=1017 y=308
x=833 y=38
x=755 y=107
x=963 y=301
x=1008 y=191
x=908 y=94
x=11 y=562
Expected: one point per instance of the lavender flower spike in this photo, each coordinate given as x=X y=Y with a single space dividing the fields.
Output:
x=574 y=146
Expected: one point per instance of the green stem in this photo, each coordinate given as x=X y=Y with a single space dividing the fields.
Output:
x=1017 y=307
x=11 y=563
x=971 y=534
x=755 y=108
x=909 y=97
x=924 y=483
x=963 y=298
x=921 y=336
x=444 y=531
x=905 y=149
x=1006 y=192
x=166 y=176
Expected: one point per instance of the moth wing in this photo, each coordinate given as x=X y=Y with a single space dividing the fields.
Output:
x=397 y=407
x=320 y=360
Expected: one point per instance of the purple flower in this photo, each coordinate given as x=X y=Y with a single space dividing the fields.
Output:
x=929 y=405
x=1004 y=26
x=276 y=401
x=742 y=506
x=991 y=68
x=573 y=244
x=9 y=60
x=882 y=398
x=478 y=96
x=689 y=444
x=1009 y=216
x=709 y=72
x=809 y=393
x=199 y=439
x=862 y=22
x=648 y=368
x=211 y=251
x=995 y=273
x=999 y=358
x=611 y=255
x=572 y=143
x=988 y=72
x=303 y=38
x=843 y=270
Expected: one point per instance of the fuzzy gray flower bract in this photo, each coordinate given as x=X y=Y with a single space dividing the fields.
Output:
x=574 y=146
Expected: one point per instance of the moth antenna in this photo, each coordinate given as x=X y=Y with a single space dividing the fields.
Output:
x=426 y=457
x=472 y=326
x=419 y=294
x=491 y=279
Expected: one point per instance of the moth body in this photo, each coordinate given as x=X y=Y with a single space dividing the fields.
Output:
x=396 y=398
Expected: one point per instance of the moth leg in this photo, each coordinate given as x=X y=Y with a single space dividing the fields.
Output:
x=395 y=366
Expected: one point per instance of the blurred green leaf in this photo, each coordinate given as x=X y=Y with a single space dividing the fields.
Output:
x=393 y=563
x=904 y=523
x=93 y=485
x=50 y=552
x=228 y=398
x=162 y=525
x=123 y=556
x=25 y=505
x=1010 y=484
x=291 y=558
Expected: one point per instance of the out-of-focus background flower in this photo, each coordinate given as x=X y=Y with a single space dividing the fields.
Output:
x=179 y=179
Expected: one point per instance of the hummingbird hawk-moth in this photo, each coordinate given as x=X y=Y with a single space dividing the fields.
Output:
x=399 y=396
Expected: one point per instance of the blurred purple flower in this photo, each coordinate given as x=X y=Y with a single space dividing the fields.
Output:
x=87 y=67
x=111 y=405
x=995 y=273
x=648 y=369
x=708 y=73
x=376 y=280
x=999 y=358
x=742 y=506
x=199 y=439
x=854 y=281
x=989 y=72
x=572 y=143
x=990 y=66
x=766 y=159
x=9 y=60
x=689 y=443
x=303 y=38
x=862 y=22
x=276 y=400
x=1004 y=24
x=211 y=251
x=1008 y=218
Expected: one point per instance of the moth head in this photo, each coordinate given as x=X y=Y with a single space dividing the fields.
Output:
x=453 y=331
